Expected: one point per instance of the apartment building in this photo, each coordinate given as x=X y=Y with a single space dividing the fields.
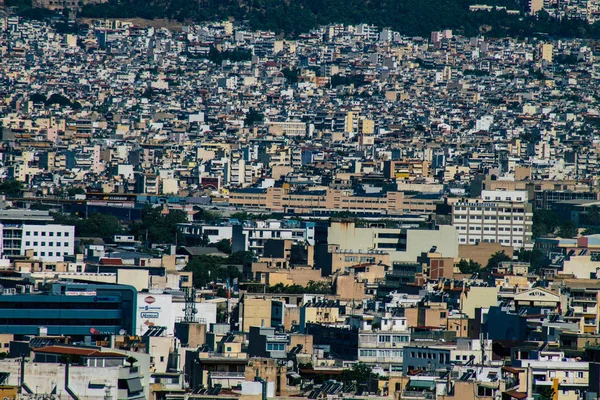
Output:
x=401 y=244
x=501 y=217
x=406 y=169
x=382 y=345
x=253 y=235
x=280 y=199
x=214 y=233
x=33 y=230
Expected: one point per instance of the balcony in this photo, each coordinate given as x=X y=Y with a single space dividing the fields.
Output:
x=413 y=394
x=226 y=375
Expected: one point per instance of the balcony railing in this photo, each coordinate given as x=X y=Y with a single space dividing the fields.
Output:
x=211 y=354
x=412 y=394
x=226 y=375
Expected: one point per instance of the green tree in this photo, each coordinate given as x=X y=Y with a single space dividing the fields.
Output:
x=544 y=222
x=240 y=215
x=224 y=245
x=207 y=269
x=534 y=257
x=253 y=117
x=207 y=216
x=592 y=215
x=359 y=373
x=291 y=75
x=567 y=230
x=468 y=267
x=496 y=259
x=321 y=287
x=11 y=188
x=95 y=225
x=75 y=190
x=546 y=393
x=37 y=98
x=157 y=227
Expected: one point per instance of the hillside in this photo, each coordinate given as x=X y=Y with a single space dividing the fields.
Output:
x=293 y=17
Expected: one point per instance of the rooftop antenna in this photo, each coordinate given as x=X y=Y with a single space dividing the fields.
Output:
x=190 y=304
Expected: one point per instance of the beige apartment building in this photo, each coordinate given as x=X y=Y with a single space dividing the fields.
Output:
x=281 y=199
x=506 y=222
x=401 y=244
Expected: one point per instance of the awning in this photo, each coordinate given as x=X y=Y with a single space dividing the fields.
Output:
x=134 y=385
x=421 y=384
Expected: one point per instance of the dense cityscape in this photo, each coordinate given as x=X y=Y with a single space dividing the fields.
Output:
x=211 y=211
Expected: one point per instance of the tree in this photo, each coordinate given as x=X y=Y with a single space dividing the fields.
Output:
x=207 y=269
x=224 y=245
x=95 y=225
x=545 y=222
x=496 y=259
x=359 y=373
x=37 y=98
x=546 y=393
x=157 y=227
x=11 y=188
x=75 y=190
x=592 y=215
x=253 y=117
x=207 y=216
x=568 y=230
x=131 y=360
x=468 y=267
x=320 y=287
x=534 y=257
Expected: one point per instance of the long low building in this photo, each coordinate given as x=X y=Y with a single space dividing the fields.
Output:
x=281 y=199
x=69 y=309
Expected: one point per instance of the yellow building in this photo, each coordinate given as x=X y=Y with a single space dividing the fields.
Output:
x=255 y=312
x=544 y=52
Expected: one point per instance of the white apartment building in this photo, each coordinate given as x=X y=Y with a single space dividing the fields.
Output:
x=49 y=242
x=494 y=220
x=214 y=233
x=33 y=230
x=382 y=346
x=252 y=236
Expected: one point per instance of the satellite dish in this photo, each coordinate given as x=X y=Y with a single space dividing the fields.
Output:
x=122 y=332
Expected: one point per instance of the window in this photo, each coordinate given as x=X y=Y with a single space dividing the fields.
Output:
x=66 y=234
x=383 y=339
x=275 y=346
x=51 y=233
x=66 y=244
x=35 y=243
x=43 y=243
x=35 y=233
x=59 y=234
x=27 y=243
x=43 y=233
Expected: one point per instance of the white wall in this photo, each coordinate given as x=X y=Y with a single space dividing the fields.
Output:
x=49 y=242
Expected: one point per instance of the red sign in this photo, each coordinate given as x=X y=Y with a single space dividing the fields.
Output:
x=149 y=299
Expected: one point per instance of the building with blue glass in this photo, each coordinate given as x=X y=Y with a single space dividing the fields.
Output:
x=70 y=309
